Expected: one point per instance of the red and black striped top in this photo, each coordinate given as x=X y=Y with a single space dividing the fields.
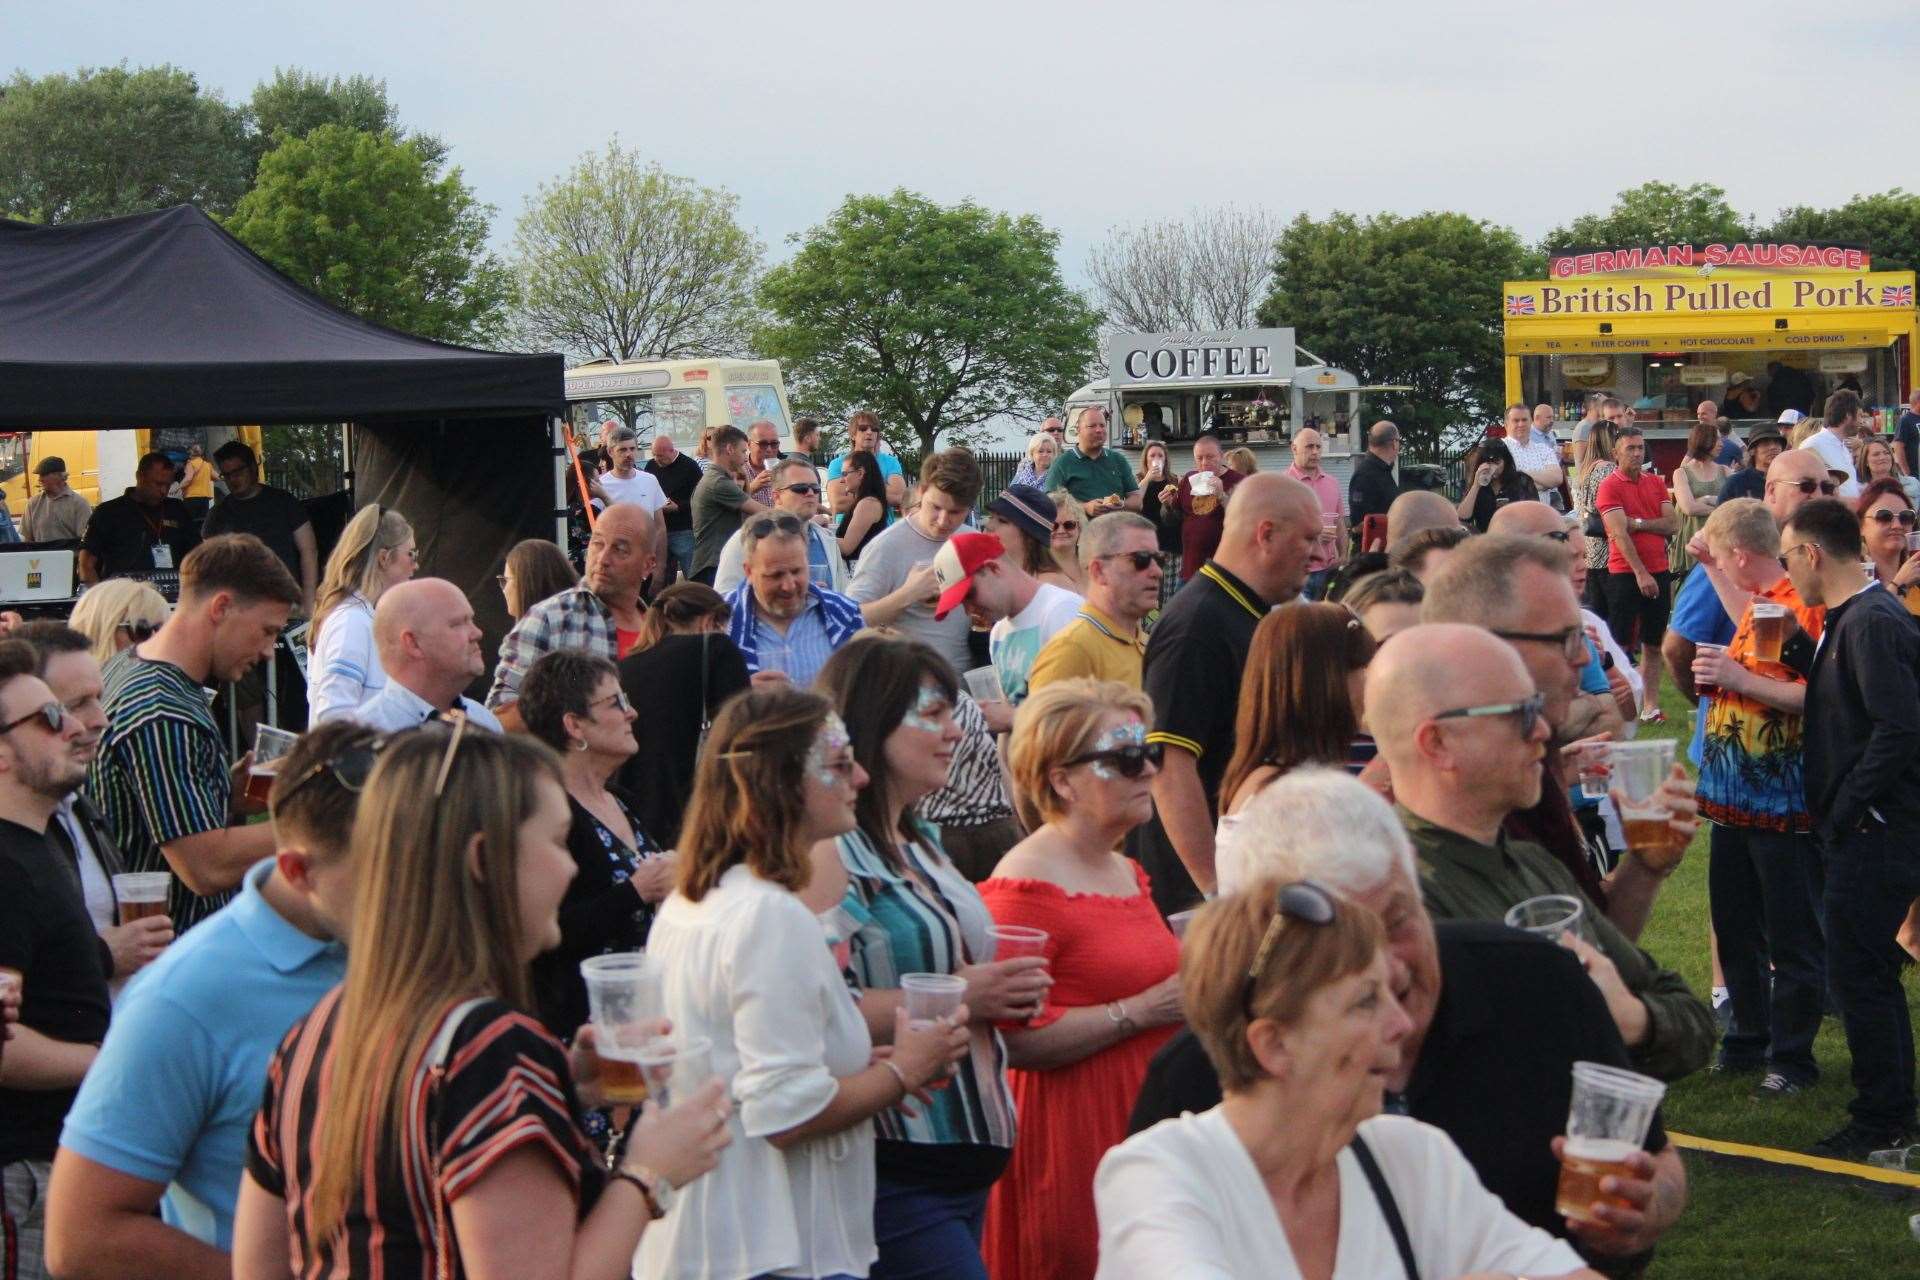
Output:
x=505 y=1085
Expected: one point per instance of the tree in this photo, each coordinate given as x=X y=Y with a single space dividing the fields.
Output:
x=1656 y=213
x=1888 y=224
x=362 y=221
x=295 y=103
x=107 y=141
x=1407 y=300
x=939 y=318
x=1208 y=271
x=624 y=261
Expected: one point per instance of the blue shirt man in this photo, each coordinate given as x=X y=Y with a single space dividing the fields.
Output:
x=782 y=620
x=175 y=1087
x=1699 y=618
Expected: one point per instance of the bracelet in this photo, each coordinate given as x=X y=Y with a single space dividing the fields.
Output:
x=905 y=1089
x=1117 y=1014
x=654 y=1210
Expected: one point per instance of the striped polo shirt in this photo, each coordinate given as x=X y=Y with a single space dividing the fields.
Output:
x=161 y=773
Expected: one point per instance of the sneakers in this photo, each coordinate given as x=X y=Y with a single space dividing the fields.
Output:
x=1855 y=1142
x=1722 y=1009
x=1776 y=1086
x=1653 y=715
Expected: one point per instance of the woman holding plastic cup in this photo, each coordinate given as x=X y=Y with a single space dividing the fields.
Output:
x=1083 y=772
x=922 y=936
x=745 y=964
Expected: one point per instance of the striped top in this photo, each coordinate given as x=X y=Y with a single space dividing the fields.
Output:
x=976 y=790
x=505 y=1085
x=161 y=773
x=927 y=920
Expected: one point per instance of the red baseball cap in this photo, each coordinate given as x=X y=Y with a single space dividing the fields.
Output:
x=955 y=564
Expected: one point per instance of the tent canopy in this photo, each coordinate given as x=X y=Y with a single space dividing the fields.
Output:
x=164 y=319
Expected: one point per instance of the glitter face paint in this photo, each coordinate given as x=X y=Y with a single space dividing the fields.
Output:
x=1130 y=734
x=828 y=743
x=926 y=705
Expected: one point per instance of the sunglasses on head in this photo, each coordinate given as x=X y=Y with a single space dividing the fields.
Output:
x=350 y=768
x=1525 y=713
x=1806 y=487
x=1884 y=516
x=1129 y=761
x=1139 y=559
x=1302 y=901
x=140 y=631
x=765 y=526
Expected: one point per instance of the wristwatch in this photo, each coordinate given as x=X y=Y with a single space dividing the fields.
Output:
x=1117 y=1014
x=654 y=1189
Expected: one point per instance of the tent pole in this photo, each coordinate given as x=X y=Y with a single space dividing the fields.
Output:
x=559 y=484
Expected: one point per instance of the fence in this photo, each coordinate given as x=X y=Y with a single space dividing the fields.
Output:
x=303 y=478
x=996 y=471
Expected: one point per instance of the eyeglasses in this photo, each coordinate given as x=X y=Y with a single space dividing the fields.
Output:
x=350 y=768
x=230 y=474
x=1056 y=431
x=1066 y=526
x=1526 y=713
x=766 y=526
x=1140 y=559
x=1798 y=546
x=1806 y=487
x=1302 y=900
x=51 y=714
x=617 y=698
x=1572 y=642
x=1129 y=761
x=1884 y=516
x=140 y=631
x=799 y=488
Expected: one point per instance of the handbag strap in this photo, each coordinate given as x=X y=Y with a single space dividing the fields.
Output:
x=1389 y=1207
x=706 y=717
x=435 y=1064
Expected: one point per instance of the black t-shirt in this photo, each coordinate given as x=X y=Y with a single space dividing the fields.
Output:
x=678 y=479
x=271 y=515
x=599 y=915
x=1192 y=673
x=45 y=934
x=664 y=684
x=1495 y=1070
x=122 y=534
x=1907 y=432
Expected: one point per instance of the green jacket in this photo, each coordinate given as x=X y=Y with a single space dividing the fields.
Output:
x=1462 y=879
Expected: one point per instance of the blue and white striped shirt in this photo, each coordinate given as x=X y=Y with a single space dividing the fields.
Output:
x=828 y=621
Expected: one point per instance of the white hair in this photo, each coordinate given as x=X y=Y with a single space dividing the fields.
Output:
x=1039 y=438
x=1317 y=824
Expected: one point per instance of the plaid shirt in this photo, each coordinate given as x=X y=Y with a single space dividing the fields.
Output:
x=574 y=619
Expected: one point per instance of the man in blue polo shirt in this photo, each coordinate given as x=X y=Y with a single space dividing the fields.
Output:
x=163 y=1115
x=1098 y=478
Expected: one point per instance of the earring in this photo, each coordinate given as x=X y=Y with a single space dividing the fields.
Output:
x=578 y=744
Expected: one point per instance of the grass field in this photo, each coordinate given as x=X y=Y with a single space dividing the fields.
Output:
x=1749 y=1224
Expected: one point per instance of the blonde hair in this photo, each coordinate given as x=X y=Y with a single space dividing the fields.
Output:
x=355 y=562
x=1220 y=946
x=104 y=608
x=1743 y=524
x=1055 y=724
x=431 y=928
x=1243 y=460
x=1803 y=431
x=1039 y=438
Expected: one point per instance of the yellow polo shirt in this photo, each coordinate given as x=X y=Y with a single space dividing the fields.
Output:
x=1091 y=645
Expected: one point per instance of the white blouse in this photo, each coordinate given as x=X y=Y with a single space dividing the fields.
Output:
x=344 y=669
x=748 y=966
x=1184 y=1199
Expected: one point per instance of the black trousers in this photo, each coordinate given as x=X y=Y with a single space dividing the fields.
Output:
x=1871 y=877
x=1763 y=889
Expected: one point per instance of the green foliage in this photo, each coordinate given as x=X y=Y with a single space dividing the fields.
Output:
x=295 y=103
x=1656 y=213
x=622 y=260
x=1407 y=300
x=362 y=220
x=107 y=141
x=939 y=318
x=1888 y=224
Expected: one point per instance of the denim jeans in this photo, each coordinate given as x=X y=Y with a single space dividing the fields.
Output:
x=925 y=1234
x=679 y=554
x=1871 y=877
x=1763 y=888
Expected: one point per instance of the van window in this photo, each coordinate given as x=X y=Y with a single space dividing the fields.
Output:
x=681 y=414
x=753 y=403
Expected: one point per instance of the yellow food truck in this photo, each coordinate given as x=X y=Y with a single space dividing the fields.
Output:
x=676 y=398
x=99 y=463
x=1756 y=327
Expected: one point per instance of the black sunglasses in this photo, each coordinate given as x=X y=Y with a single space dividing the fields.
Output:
x=799 y=488
x=1884 y=516
x=1140 y=559
x=350 y=768
x=1526 y=712
x=1129 y=761
x=1302 y=900
x=1827 y=487
x=51 y=714
x=765 y=526
x=140 y=631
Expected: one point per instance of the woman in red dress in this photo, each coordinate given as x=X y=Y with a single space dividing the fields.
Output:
x=1082 y=770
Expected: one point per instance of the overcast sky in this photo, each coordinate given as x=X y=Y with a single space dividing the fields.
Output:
x=1092 y=115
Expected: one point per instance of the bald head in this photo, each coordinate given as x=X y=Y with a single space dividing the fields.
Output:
x=427 y=639
x=1267 y=497
x=1383 y=434
x=1785 y=478
x=1527 y=520
x=1272 y=527
x=1430 y=668
x=1419 y=509
x=410 y=607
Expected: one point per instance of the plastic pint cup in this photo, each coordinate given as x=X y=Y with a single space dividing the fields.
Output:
x=625 y=1002
x=1639 y=770
x=672 y=1069
x=270 y=746
x=1769 y=629
x=141 y=894
x=1607 y=1123
x=931 y=996
x=1551 y=915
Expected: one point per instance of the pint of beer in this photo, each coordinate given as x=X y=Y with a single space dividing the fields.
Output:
x=270 y=747
x=1769 y=629
x=622 y=1080
x=141 y=894
x=1639 y=768
x=1606 y=1123
x=626 y=1003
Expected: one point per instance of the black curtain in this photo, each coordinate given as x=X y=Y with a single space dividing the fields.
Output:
x=471 y=488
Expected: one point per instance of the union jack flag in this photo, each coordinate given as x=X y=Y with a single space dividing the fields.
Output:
x=1521 y=304
x=1896 y=295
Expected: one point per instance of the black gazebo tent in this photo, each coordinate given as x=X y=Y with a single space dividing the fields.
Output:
x=163 y=319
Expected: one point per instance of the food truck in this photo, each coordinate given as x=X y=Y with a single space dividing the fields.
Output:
x=1757 y=327
x=676 y=398
x=1246 y=386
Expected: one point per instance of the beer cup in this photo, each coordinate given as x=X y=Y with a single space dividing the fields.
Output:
x=625 y=1002
x=1701 y=687
x=1550 y=915
x=1913 y=543
x=932 y=996
x=984 y=684
x=1179 y=921
x=141 y=894
x=1607 y=1122
x=1769 y=629
x=672 y=1069
x=270 y=747
x=1011 y=941
x=1639 y=769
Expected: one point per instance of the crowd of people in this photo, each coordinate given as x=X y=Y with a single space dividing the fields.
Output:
x=1208 y=847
